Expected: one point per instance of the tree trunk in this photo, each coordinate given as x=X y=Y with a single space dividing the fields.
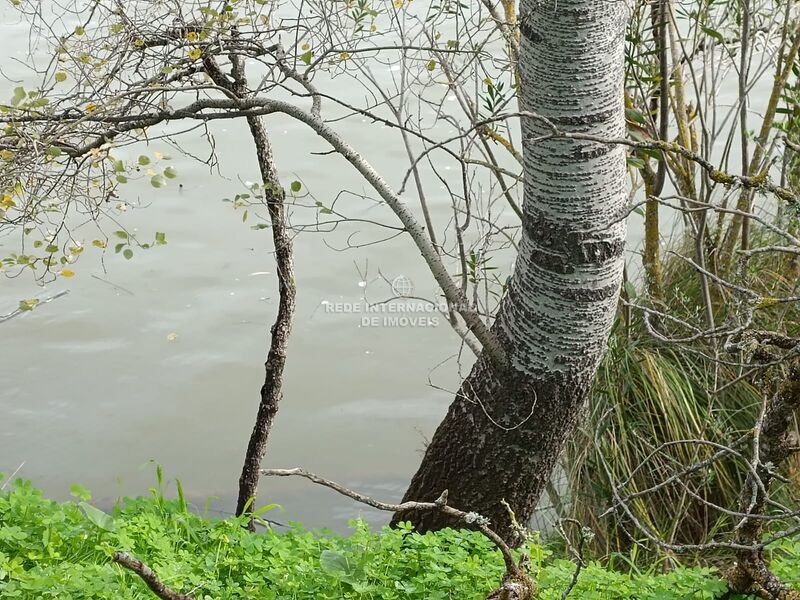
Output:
x=507 y=426
x=274 y=195
x=271 y=391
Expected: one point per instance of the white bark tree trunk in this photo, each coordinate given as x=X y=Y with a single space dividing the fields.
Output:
x=565 y=286
x=506 y=428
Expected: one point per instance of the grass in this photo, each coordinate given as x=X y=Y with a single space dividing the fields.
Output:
x=62 y=550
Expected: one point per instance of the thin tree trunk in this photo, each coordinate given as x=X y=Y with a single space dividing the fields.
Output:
x=274 y=195
x=506 y=428
x=271 y=391
x=660 y=11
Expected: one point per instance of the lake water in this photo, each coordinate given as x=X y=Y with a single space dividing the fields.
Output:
x=160 y=357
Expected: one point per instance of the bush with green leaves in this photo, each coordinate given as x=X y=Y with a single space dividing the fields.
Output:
x=63 y=550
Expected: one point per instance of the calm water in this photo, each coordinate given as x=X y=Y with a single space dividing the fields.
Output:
x=160 y=357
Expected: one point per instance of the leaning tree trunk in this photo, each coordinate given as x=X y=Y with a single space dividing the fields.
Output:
x=274 y=196
x=272 y=389
x=507 y=426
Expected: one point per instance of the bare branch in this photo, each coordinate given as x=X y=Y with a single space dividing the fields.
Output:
x=148 y=576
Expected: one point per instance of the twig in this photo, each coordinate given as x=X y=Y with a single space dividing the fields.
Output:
x=114 y=285
x=516 y=579
x=148 y=576
x=19 y=311
x=586 y=535
x=5 y=483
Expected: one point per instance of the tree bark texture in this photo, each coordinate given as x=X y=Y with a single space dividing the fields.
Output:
x=506 y=428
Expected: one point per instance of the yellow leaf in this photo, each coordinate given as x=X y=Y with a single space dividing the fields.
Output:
x=344 y=55
x=7 y=201
x=172 y=337
x=158 y=155
x=192 y=36
x=7 y=155
x=90 y=108
x=195 y=53
x=67 y=273
x=98 y=243
x=61 y=77
x=398 y=3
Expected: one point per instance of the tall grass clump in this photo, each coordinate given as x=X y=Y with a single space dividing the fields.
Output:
x=658 y=407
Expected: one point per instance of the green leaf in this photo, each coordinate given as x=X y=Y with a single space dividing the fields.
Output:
x=144 y=160
x=635 y=116
x=123 y=235
x=637 y=163
x=170 y=173
x=98 y=517
x=306 y=57
x=334 y=563
x=714 y=34
x=158 y=181
x=431 y=65
x=54 y=151
x=19 y=95
x=128 y=254
x=80 y=492
x=296 y=186
x=161 y=238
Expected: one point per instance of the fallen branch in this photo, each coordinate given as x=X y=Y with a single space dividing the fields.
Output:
x=517 y=585
x=19 y=311
x=148 y=576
